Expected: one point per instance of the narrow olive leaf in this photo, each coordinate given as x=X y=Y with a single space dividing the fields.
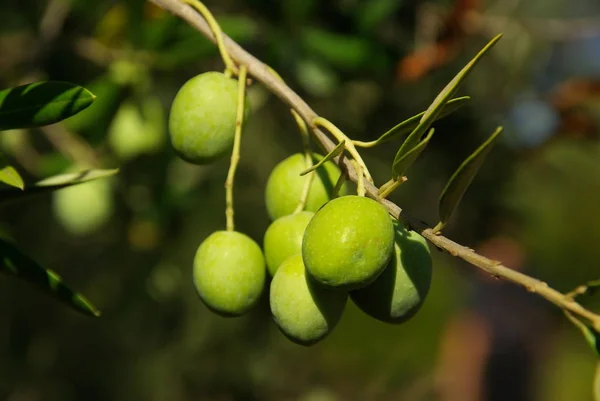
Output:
x=41 y=103
x=13 y=261
x=591 y=336
x=409 y=157
x=461 y=179
x=339 y=148
x=408 y=125
x=435 y=109
x=10 y=176
x=54 y=183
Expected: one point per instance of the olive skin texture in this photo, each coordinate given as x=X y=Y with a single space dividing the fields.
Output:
x=283 y=239
x=348 y=242
x=203 y=118
x=304 y=312
x=229 y=272
x=398 y=293
x=285 y=184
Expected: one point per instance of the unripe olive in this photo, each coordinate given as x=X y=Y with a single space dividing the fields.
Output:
x=83 y=208
x=283 y=238
x=348 y=242
x=203 y=117
x=285 y=184
x=303 y=311
x=229 y=272
x=398 y=293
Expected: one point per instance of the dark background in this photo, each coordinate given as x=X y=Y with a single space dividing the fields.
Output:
x=128 y=243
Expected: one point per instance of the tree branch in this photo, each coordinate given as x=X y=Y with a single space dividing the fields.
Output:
x=261 y=73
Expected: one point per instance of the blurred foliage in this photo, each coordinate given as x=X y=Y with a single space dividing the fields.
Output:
x=349 y=59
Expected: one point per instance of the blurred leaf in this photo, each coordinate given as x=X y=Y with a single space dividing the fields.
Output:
x=339 y=148
x=398 y=169
x=14 y=262
x=462 y=178
x=342 y=51
x=373 y=12
x=54 y=183
x=409 y=125
x=41 y=103
x=97 y=116
x=591 y=335
x=409 y=157
x=316 y=78
x=190 y=46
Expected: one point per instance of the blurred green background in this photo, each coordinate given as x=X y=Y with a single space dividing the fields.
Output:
x=128 y=242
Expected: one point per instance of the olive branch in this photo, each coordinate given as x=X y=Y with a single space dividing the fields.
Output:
x=264 y=74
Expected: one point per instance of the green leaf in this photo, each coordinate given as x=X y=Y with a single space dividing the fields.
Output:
x=592 y=336
x=10 y=176
x=410 y=124
x=339 y=148
x=41 y=103
x=13 y=261
x=435 y=109
x=462 y=178
x=54 y=183
x=409 y=157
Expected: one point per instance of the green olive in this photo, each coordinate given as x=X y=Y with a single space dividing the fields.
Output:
x=305 y=312
x=83 y=208
x=398 y=293
x=285 y=184
x=229 y=272
x=203 y=117
x=283 y=238
x=348 y=242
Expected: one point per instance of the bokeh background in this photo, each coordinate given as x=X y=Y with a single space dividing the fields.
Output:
x=128 y=242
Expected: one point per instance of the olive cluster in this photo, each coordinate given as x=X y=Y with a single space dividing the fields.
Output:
x=335 y=247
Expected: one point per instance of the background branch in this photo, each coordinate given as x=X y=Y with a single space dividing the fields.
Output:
x=260 y=72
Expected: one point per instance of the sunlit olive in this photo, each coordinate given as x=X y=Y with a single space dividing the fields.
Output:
x=203 y=117
x=305 y=312
x=348 y=242
x=229 y=272
x=398 y=293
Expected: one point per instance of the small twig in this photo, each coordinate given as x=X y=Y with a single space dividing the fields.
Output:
x=260 y=72
x=235 y=153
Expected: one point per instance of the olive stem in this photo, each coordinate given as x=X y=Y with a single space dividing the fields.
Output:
x=365 y=145
x=308 y=162
x=230 y=67
x=340 y=136
x=386 y=189
x=338 y=185
x=261 y=73
x=235 y=153
x=360 y=185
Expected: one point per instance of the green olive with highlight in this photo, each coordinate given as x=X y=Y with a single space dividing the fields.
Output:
x=229 y=272
x=304 y=312
x=399 y=292
x=348 y=242
x=203 y=115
